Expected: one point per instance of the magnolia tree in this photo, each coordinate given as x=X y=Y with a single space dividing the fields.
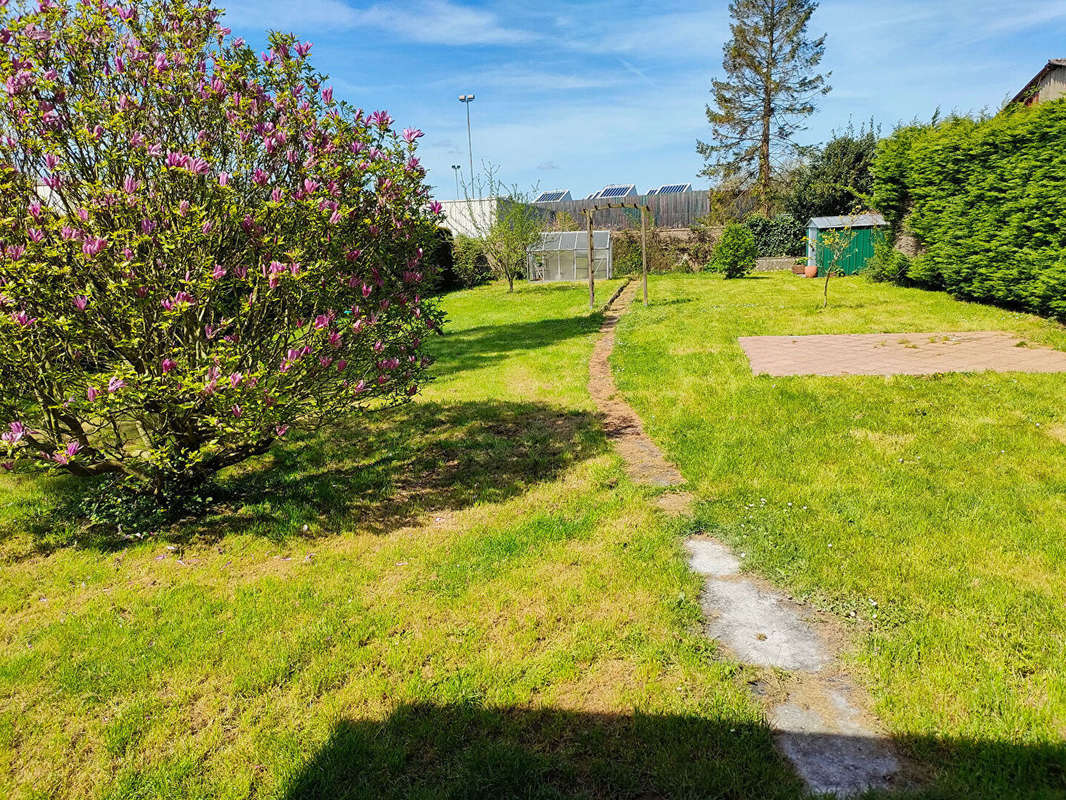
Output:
x=201 y=248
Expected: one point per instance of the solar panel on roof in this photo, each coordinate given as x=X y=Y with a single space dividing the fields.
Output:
x=616 y=191
x=672 y=188
x=553 y=196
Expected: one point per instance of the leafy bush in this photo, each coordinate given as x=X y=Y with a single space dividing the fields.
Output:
x=780 y=235
x=887 y=265
x=986 y=200
x=470 y=263
x=736 y=253
x=564 y=221
x=217 y=250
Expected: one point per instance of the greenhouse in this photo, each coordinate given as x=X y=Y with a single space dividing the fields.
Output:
x=564 y=256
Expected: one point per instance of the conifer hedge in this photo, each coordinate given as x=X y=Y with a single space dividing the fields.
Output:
x=986 y=200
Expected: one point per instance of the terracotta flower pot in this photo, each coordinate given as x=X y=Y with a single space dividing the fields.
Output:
x=810 y=271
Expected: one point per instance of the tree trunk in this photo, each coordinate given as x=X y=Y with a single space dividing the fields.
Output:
x=767 y=116
x=510 y=282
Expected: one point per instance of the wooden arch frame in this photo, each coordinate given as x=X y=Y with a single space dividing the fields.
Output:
x=645 y=213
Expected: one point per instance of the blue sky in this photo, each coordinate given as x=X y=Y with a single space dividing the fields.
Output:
x=578 y=95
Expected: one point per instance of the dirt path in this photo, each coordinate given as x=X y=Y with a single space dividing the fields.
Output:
x=821 y=718
x=644 y=461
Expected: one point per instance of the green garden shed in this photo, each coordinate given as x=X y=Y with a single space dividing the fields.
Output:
x=866 y=230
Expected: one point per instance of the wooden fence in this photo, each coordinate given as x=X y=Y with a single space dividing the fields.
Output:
x=682 y=210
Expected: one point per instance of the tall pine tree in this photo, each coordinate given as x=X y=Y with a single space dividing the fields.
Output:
x=770 y=85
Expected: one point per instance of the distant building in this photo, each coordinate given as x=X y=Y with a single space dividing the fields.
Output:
x=470 y=217
x=1048 y=84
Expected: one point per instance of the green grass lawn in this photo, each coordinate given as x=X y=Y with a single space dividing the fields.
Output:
x=928 y=511
x=461 y=598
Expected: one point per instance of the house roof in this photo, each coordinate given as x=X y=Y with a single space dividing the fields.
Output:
x=852 y=221
x=1052 y=64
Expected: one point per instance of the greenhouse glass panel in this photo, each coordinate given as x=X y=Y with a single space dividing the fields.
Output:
x=564 y=256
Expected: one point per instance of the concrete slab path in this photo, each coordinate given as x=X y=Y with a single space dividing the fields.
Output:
x=898 y=354
x=821 y=721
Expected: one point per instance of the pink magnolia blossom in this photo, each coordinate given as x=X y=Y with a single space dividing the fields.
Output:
x=80 y=302
x=281 y=430
x=302 y=48
x=183 y=207
x=218 y=272
x=237 y=411
x=35 y=209
x=260 y=178
x=275 y=194
x=327 y=95
x=223 y=179
x=115 y=384
x=235 y=379
x=129 y=185
x=23 y=319
x=92 y=247
x=342 y=365
x=410 y=134
x=176 y=159
x=168 y=364
x=92 y=393
x=15 y=432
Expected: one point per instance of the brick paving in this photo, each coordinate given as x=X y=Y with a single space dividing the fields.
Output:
x=898 y=354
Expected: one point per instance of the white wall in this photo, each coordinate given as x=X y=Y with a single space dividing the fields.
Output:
x=470 y=217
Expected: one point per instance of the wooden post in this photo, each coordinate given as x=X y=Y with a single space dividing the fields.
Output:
x=592 y=279
x=644 y=254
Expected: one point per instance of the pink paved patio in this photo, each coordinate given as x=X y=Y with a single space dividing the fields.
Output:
x=898 y=354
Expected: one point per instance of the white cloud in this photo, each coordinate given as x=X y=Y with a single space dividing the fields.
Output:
x=425 y=21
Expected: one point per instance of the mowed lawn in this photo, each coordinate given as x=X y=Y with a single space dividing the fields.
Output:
x=464 y=597
x=928 y=511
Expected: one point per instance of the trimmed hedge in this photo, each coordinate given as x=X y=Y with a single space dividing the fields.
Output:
x=780 y=235
x=986 y=200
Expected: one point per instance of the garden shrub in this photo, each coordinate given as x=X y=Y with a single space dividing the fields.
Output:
x=780 y=235
x=986 y=200
x=735 y=253
x=887 y=265
x=469 y=261
x=201 y=247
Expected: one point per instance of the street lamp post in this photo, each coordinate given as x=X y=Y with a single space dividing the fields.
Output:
x=467 y=99
x=455 y=169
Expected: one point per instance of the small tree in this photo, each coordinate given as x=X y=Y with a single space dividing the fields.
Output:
x=507 y=224
x=735 y=253
x=836 y=242
x=202 y=248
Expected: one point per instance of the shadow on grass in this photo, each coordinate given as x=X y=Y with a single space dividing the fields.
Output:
x=472 y=752
x=373 y=472
x=473 y=348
